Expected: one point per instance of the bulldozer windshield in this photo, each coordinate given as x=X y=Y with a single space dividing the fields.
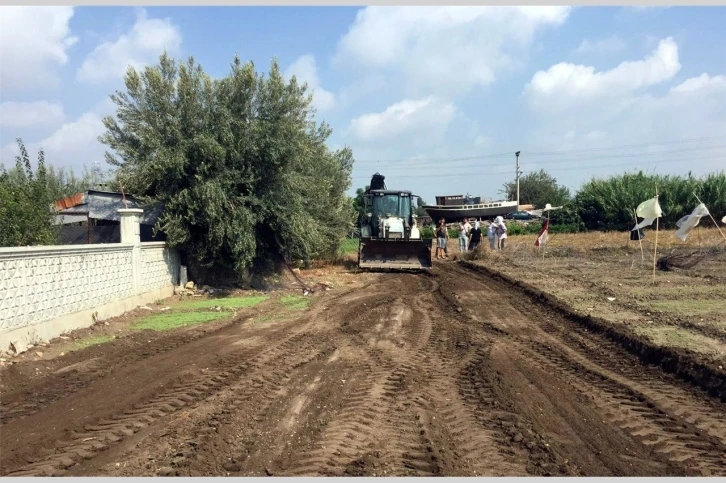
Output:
x=392 y=205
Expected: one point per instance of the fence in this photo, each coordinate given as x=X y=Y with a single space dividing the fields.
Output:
x=46 y=291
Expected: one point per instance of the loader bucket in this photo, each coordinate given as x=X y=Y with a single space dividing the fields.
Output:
x=395 y=254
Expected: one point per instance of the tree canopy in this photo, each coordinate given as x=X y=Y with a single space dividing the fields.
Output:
x=538 y=188
x=25 y=203
x=240 y=163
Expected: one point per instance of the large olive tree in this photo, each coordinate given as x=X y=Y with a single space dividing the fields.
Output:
x=240 y=163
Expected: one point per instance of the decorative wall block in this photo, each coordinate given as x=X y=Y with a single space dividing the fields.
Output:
x=37 y=285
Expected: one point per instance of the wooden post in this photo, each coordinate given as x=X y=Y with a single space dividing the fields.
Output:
x=655 y=249
x=642 y=254
x=711 y=216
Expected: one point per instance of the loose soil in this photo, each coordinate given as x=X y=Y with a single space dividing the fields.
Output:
x=453 y=372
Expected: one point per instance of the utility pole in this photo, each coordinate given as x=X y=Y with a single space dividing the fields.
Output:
x=517 y=177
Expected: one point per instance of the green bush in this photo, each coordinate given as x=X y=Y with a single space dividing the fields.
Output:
x=25 y=203
x=608 y=204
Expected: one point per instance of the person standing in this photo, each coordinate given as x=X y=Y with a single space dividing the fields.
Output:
x=492 y=235
x=501 y=232
x=475 y=236
x=442 y=236
x=463 y=235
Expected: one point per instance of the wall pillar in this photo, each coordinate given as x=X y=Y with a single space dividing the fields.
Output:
x=131 y=233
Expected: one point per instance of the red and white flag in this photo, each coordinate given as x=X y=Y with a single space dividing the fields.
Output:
x=542 y=238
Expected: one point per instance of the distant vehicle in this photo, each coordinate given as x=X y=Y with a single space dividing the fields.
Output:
x=520 y=215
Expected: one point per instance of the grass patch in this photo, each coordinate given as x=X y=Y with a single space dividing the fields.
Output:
x=91 y=341
x=225 y=303
x=693 y=307
x=166 y=321
x=295 y=302
x=671 y=336
x=348 y=246
x=267 y=318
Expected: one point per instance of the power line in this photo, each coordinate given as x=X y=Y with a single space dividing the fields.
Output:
x=641 y=154
x=664 y=143
x=539 y=153
x=484 y=173
x=435 y=160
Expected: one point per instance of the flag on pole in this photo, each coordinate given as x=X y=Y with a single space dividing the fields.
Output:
x=542 y=238
x=548 y=207
x=648 y=210
x=689 y=222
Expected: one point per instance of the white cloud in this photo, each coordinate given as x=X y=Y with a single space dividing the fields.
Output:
x=141 y=46
x=443 y=50
x=610 y=45
x=700 y=84
x=421 y=119
x=693 y=109
x=305 y=70
x=34 y=43
x=30 y=114
x=74 y=144
x=563 y=84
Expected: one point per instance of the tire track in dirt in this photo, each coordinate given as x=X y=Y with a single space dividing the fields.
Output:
x=97 y=437
x=209 y=434
x=632 y=411
x=246 y=460
x=76 y=376
x=648 y=408
x=670 y=398
x=384 y=337
x=412 y=403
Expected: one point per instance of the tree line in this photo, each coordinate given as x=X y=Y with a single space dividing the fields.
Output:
x=608 y=204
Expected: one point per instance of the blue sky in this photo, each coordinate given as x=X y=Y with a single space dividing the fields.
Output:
x=435 y=98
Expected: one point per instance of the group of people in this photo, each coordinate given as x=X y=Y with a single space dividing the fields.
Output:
x=470 y=236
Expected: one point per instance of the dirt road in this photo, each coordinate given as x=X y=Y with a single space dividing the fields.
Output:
x=451 y=373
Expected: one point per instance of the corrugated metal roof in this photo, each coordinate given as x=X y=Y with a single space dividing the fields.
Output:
x=101 y=205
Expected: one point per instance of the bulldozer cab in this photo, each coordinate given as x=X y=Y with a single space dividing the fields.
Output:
x=389 y=205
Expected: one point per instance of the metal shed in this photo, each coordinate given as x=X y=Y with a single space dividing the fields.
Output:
x=92 y=217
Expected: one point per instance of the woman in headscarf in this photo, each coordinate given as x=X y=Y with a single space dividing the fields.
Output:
x=475 y=236
x=463 y=235
x=501 y=232
x=492 y=235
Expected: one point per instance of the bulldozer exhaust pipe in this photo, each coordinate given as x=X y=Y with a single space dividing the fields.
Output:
x=395 y=254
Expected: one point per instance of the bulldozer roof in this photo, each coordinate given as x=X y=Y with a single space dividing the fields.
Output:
x=389 y=192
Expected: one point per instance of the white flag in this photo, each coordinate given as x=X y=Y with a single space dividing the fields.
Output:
x=648 y=210
x=688 y=223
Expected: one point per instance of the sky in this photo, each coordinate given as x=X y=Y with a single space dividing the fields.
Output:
x=437 y=99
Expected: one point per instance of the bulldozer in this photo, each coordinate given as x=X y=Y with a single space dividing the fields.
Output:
x=389 y=237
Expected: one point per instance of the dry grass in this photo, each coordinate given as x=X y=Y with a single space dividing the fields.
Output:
x=608 y=241
x=605 y=275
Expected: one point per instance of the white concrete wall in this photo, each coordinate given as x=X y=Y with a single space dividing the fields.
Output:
x=46 y=291
x=159 y=266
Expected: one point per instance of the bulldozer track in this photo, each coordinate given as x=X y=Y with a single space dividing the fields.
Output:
x=448 y=373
